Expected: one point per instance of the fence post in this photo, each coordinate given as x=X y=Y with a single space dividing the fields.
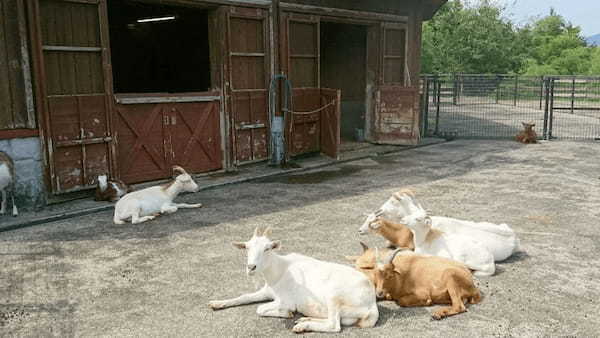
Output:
x=425 y=108
x=546 y=84
x=541 y=90
x=551 y=110
x=498 y=86
x=455 y=90
x=437 y=109
x=573 y=96
x=516 y=89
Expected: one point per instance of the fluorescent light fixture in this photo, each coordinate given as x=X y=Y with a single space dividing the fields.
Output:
x=162 y=18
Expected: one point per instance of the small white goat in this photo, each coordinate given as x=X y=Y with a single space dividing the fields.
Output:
x=7 y=182
x=461 y=248
x=143 y=205
x=499 y=239
x=328 y=294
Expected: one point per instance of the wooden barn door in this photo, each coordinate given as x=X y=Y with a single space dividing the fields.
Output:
x=249 y=76
x=330 y=122
x=396 y=114
x=74 y=87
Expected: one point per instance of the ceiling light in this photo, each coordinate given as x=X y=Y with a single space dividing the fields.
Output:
x=162 y=18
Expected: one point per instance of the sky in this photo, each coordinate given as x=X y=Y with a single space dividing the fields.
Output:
x=582 y=13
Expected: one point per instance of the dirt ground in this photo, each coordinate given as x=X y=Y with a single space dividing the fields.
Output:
x=87 y=277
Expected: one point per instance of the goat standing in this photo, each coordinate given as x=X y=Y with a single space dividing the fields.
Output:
x=7 y=182
x=143 y=205
x=328 y=294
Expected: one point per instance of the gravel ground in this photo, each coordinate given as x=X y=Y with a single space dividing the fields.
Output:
x=87 y=277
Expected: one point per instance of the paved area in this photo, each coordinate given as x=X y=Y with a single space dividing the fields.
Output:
x=86 y=277
x=82 y=203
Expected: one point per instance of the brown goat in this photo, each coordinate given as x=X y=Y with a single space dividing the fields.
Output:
x=415 y=280
x=397 y=234
x=528 y=135
x=110 y=190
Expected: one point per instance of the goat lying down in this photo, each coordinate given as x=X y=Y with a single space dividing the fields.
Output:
x=110 y=190
x=499 y=239
x=328 y=294
x=143 y=205
x=410 y=279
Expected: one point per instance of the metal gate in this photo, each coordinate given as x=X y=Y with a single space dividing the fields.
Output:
x=493 y=106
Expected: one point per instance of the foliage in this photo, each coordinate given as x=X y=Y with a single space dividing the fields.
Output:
x=479 y=38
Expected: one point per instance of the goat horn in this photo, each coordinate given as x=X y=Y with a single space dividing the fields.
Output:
x=378 y=213
x=267 y=231
x=377 y=259
x=392 y=255
x=257 y=231
x=179 y=169
x=364 y=246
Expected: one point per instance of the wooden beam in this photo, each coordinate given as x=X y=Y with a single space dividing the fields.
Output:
x=326 y=11
x=18 y=133
x=164 y=99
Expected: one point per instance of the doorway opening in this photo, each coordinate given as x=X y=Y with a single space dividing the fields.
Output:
x=158 y=48
x=344 y=66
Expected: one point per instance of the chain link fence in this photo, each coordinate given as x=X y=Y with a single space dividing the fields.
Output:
x=493 y=106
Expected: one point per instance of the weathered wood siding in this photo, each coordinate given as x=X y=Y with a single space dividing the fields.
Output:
x=16 y=107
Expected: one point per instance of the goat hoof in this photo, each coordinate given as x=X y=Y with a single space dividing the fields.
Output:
x=215 y=305
x=300 y=327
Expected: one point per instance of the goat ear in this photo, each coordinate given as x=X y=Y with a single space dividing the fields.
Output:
x=178 y=169
x=239 y=245
x=427 y=220
x=364 y=246
x=275 y=245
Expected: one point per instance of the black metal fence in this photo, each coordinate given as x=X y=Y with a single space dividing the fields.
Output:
x=493 y=106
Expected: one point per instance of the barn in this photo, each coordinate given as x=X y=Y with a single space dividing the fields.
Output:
x=132 y=87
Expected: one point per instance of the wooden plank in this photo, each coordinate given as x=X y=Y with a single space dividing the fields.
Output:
x=71 y=49
x=18 y=133
x=27 y=82
x=6 y=114
x=327 y=11
x=15 y=76
x=166 y=99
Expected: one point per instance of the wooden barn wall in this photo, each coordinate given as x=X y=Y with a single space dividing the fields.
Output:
x=16 y=107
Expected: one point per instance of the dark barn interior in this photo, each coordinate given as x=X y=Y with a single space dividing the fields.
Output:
x=167 y=56
x=343 y=66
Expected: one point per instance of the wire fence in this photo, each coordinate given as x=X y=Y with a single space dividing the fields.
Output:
x=493 y=106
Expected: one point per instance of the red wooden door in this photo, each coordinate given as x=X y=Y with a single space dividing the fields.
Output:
x=396 y=113
x=141 y=134
x=195 y=137
x=249 y=76
x=74 y=86
x=152 y=137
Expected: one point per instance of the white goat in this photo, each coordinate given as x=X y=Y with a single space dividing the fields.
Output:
x=499 y=239
x=143 y=205
x=7 y=182
x=461 y=248
x=328 y=294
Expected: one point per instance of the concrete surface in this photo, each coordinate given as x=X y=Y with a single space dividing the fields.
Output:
x=87 y=277
x=25 y=152
x=82 y=203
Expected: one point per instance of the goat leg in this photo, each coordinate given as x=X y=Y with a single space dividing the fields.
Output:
x=454 y=291
x=331 y=324
x=258 y=296
x=187 y=206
